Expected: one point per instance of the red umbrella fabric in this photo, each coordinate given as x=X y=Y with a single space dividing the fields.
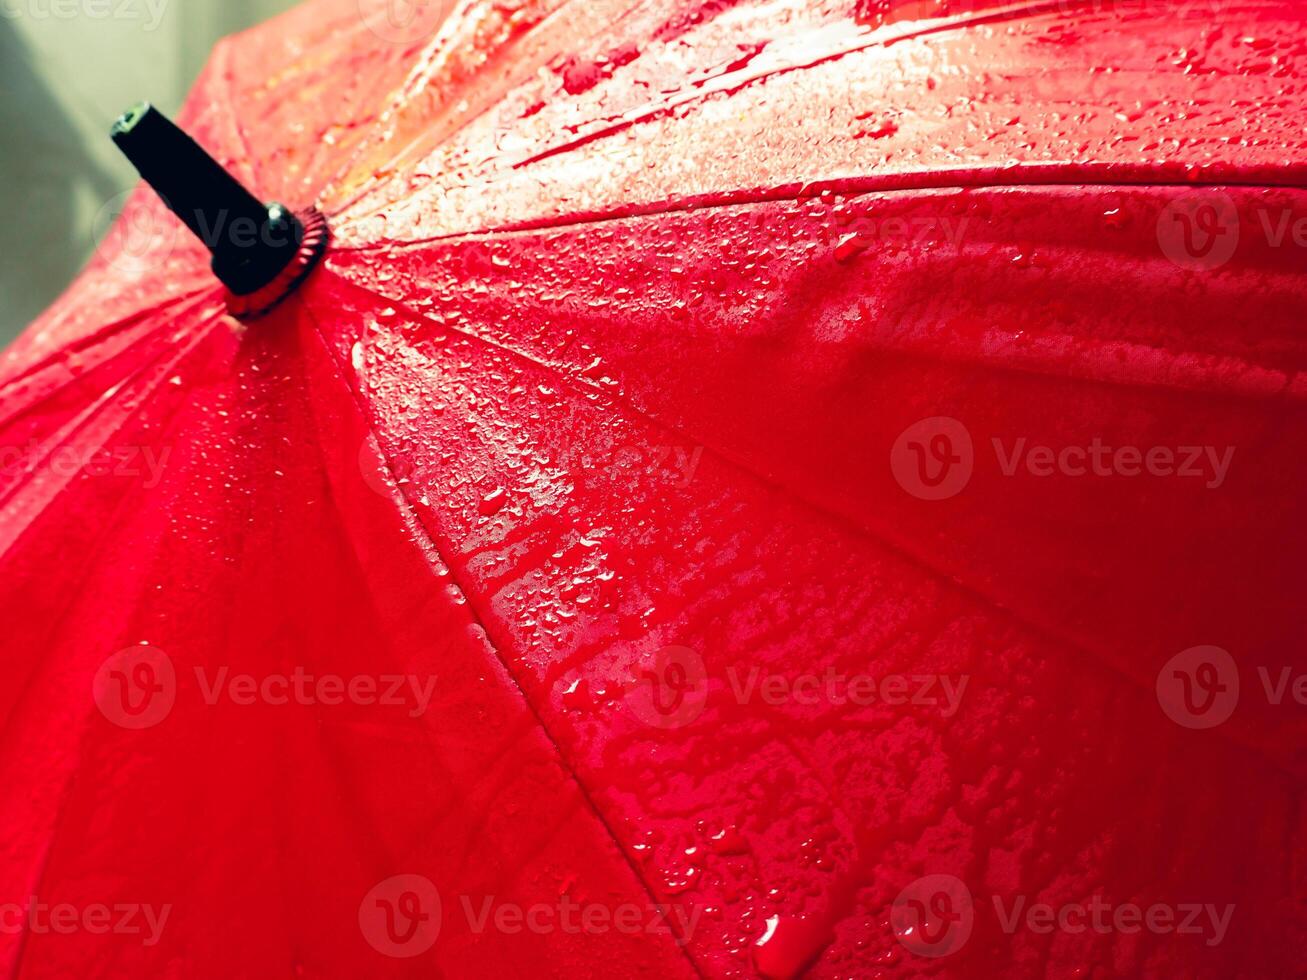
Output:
x=751 y=489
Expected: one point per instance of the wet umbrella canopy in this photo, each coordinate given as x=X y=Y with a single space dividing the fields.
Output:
x=749 y=489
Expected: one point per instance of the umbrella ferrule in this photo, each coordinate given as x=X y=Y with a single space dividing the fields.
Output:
x=251 y=242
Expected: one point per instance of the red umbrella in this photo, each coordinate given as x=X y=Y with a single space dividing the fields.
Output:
x=751 y=488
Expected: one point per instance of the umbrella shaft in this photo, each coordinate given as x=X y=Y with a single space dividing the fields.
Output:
x=251 y=242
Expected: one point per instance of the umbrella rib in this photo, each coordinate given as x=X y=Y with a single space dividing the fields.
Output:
x=1062 y=643
x=1087 y=174
x=93 y=340
x=180 y=356
x=566 y=763
x=1263 y=385
x=127 y=502
x=73 y=427
x=409 y=89
x=732 y=83
x=222 y=57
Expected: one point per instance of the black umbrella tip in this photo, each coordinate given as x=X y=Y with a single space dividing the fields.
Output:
x=251 y=242
x=129 y=120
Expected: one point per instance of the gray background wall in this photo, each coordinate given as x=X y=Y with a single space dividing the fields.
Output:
x=67 y=69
